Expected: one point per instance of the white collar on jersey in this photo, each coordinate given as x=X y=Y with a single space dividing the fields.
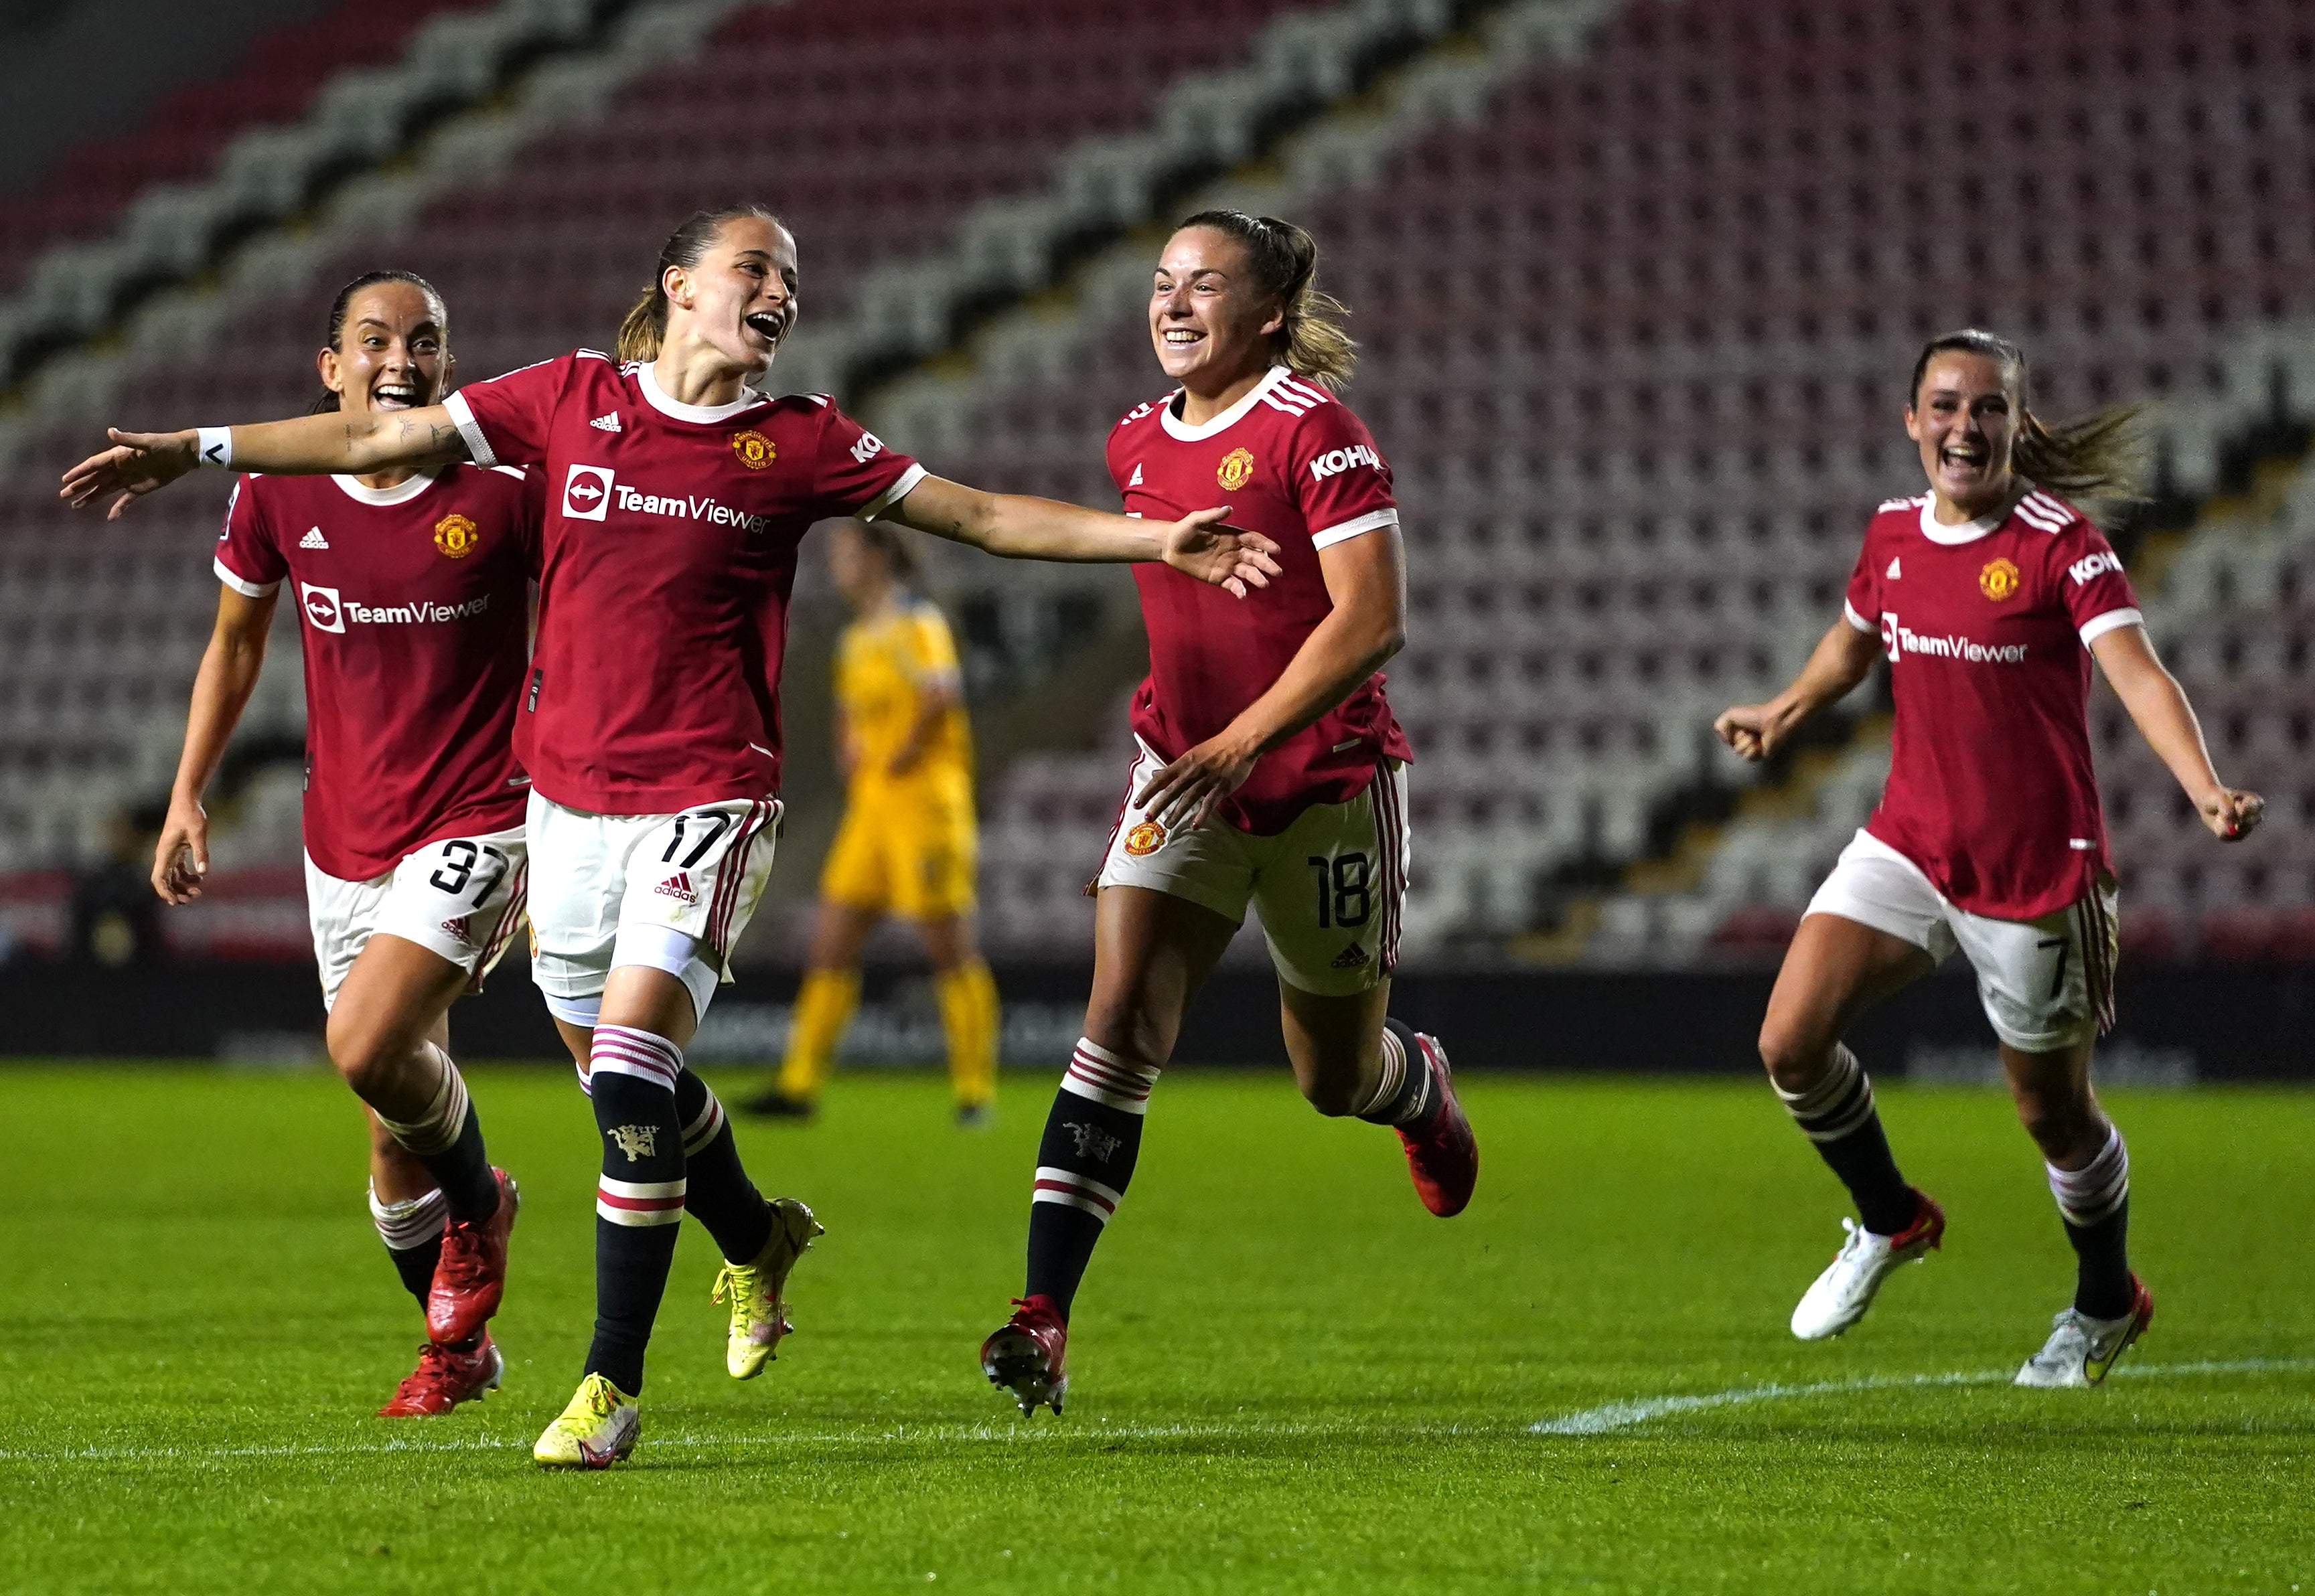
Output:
x=1936 y=531
x=1175 y=426
x=705 y=414
x=356 y=491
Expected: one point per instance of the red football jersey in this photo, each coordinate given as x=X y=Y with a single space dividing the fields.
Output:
x=671 y=535
x=415 y=602
x=1295 y=464
x=1987 y=627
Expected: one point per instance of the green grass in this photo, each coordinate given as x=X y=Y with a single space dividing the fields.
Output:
x=1286 y=1376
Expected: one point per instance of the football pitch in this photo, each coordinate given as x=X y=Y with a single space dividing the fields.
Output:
x=1285 y=1375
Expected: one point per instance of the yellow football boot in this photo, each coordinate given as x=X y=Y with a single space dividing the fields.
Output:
x=759 y=1313
x=596 y=1431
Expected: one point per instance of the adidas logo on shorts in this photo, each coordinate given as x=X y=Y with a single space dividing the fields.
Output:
x=1350 y=958
x=460 y=928
x=677 y=886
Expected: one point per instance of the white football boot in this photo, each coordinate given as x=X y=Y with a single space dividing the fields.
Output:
x=2081 y=1350
x=1841 y=1295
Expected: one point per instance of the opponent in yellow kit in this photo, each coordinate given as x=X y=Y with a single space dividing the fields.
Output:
x=909 y=843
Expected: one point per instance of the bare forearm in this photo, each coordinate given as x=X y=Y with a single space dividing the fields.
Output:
x=348 y=442
x=1343 y=650
x=221 y=690
x=1842 y=658
x=2159 y=707
x=1017 y=527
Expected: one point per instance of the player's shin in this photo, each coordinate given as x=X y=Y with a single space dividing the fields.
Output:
x=639 y=1201
x=969 y=1018
x=1837 y=1115
x=412 y=1229
x=1084 y=1162
x=445 y=1136
x=2094 y=1201
x=717 y=1190
x=1404 y=1093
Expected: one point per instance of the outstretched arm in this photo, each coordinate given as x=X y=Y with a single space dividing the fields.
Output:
x=1019 y=527
x=1843 y=657
x=221 y=690
x=2159 y=706
x=348 y=443
x=1366 y=578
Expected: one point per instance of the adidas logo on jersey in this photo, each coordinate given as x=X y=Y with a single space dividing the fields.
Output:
x=1135 y=481
x=606 y=423
x=678 y=886
x=1893 y=574
x=314 y=540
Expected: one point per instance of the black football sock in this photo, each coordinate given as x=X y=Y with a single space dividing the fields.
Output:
x=2095 y=1203
x=718 y=1193
x=1084 y=1162
x=1837 y=1115
x=412 y=1229
x=639 y=1201
x=447 y=1138
x=1404 y=1094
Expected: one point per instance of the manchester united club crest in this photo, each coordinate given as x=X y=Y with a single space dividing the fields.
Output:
x=1147 y=838
x=456 y=536
x=755 y=450
x=1998 y=579
x=1236 y=470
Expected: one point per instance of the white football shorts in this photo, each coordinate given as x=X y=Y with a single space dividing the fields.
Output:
x=1330 y=888
x=461 y=898
x=670 y=890
x=2046 y=984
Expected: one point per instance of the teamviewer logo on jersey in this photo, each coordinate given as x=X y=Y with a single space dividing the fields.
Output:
x=324 y=613
x=587 y=493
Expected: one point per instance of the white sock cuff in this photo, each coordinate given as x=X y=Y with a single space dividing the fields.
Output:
x=435 y=1130
x=640 y=1203
x=1072 y=1190
x=1106 y=1077
x=2092 y=1193
x=705 y=1126
x=411 y=1222
x=622 y=1049
x=1842 y=1070
x=1837 y=1104
x=1391 y=1077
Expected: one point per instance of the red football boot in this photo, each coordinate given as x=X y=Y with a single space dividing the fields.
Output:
x=1026 y=1355
x=444 y=1378
x=1441 y=1153
x=471 y=1276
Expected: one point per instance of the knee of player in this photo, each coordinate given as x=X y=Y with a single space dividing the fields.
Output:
x=2059 y=1119
x=1794 y=1060
x=366 y=1056
x=1335 y=1095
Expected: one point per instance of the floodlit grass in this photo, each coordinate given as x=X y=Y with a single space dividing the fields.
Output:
x=1286 y=1376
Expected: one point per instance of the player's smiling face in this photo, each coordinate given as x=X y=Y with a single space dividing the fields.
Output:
x=1965 y=419
x=740 y=299
x=393 y=352
x=1211 y=322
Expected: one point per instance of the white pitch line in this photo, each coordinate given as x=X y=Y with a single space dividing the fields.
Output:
x=1623 y=1415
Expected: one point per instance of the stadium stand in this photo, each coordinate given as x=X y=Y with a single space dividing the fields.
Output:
x=1636 y=346
x=1636 y=315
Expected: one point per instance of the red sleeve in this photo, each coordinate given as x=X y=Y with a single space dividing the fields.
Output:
x=1862 y=605
x=857 y=474
x=531 y=517
x=248 y=560
x=505 y=420
x=1341 y=480
x=2091 y=583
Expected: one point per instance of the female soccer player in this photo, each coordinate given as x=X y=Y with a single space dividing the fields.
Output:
x=413 y=586
x=1271 y=771
x=649 y=720
x=1989 y=594
x=909 y=842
